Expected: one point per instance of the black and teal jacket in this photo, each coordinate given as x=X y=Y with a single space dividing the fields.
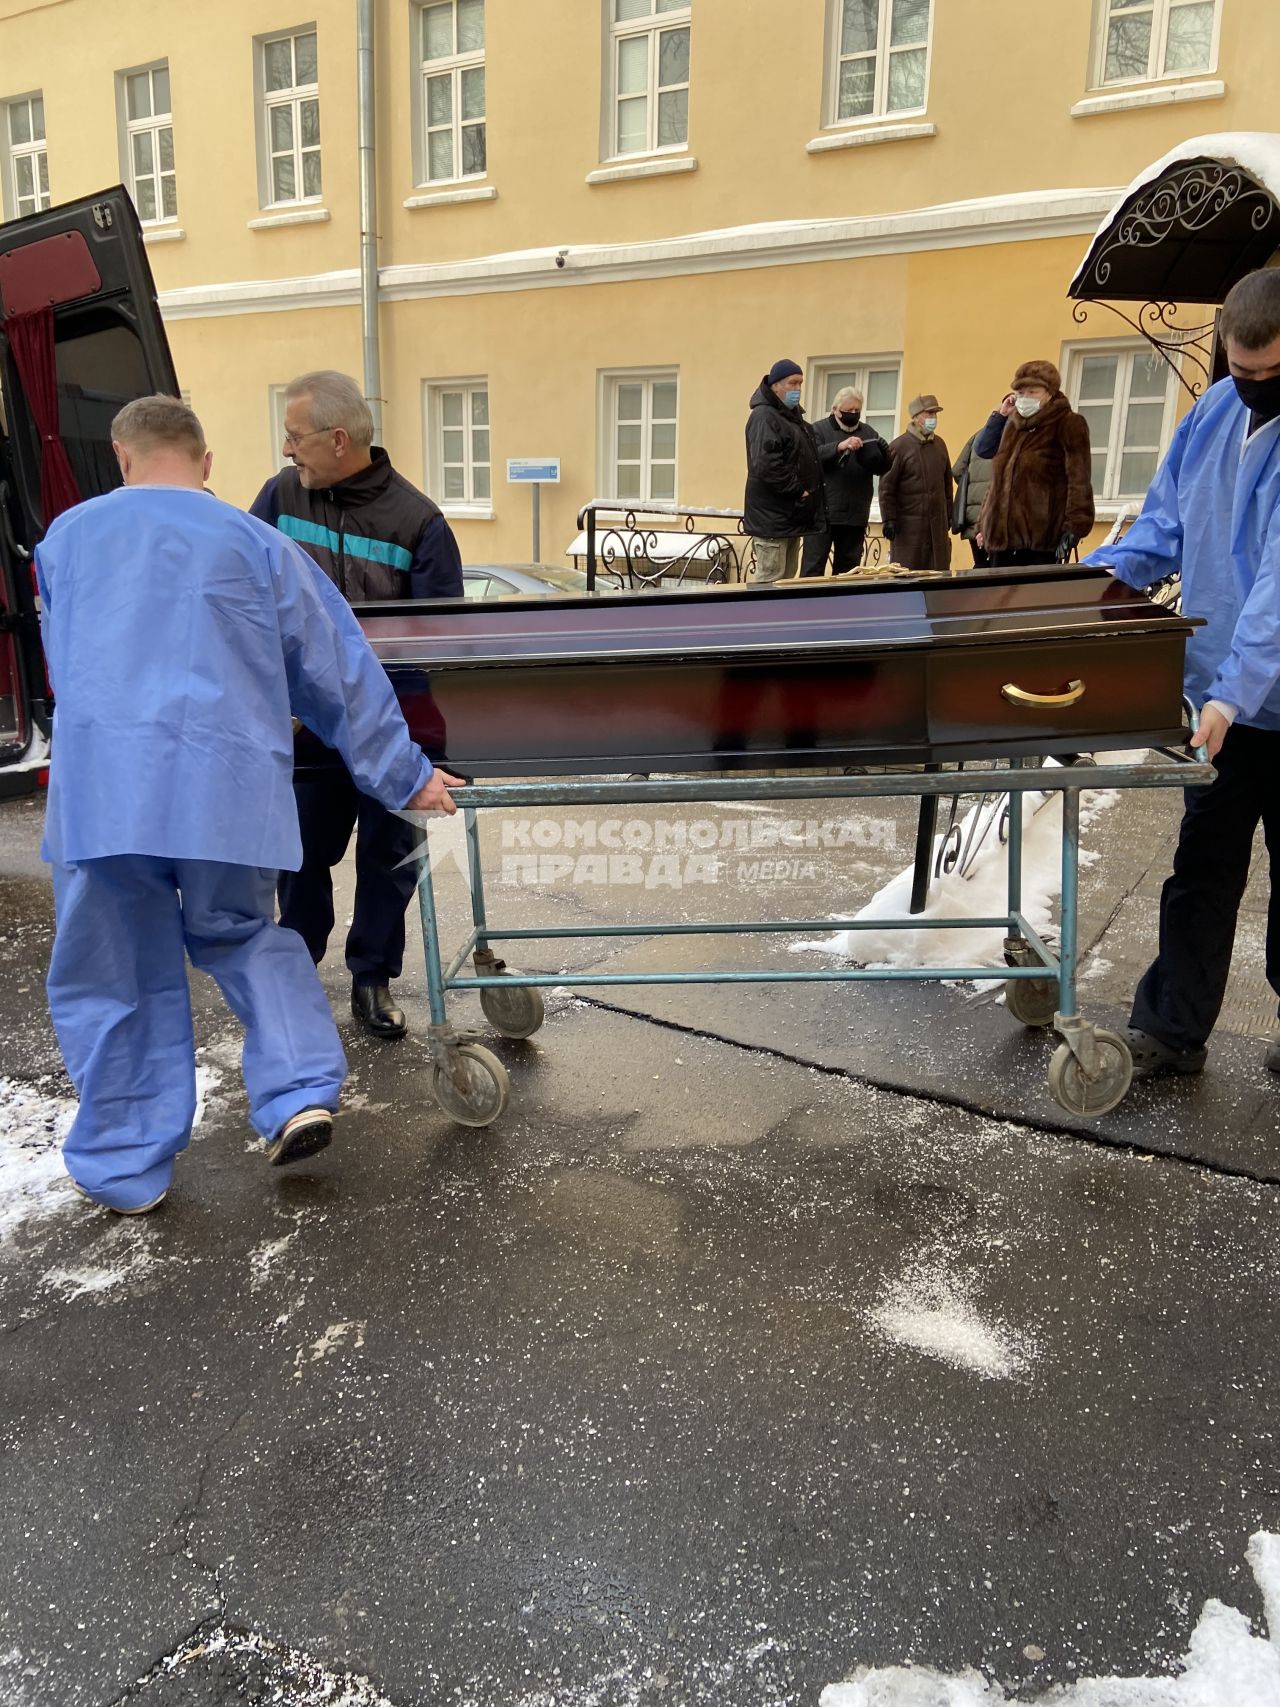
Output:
x=374 y=535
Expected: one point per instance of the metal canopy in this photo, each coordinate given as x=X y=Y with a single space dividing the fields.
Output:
x=1191 y=226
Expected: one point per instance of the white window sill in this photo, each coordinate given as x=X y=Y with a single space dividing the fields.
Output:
x=1111 y=509
x=162 y=234
x=293 y=216
x=467 y=512
x=870 y=133
x=449 y=197
x=651 y=166
x=1149 y=95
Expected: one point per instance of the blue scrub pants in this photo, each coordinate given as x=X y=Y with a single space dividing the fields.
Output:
x=121 y=1008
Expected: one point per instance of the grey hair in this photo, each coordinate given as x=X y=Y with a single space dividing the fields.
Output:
x=150 y=423
x=844 y=394
x=335 y=401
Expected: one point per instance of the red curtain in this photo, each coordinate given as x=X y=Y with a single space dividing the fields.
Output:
x=31 y=340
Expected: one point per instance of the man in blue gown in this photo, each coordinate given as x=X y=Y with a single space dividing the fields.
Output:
x=1213 y=512
x=181 y=635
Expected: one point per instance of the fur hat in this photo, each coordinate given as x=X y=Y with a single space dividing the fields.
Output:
x=1038 y=373
x=925 y=404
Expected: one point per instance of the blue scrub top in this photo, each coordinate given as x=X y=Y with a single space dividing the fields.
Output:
x=181 y=635
x=1213 y=511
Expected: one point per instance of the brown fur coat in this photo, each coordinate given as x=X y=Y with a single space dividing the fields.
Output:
x=1041 y=482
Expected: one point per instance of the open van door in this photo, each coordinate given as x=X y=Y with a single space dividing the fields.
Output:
x=85 y=264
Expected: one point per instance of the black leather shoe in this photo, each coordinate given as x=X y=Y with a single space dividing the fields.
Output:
x=377 y=1013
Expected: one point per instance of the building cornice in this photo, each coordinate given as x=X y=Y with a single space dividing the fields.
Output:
x=1022 y=218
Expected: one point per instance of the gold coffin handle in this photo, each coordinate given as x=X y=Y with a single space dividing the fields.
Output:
x=1019 y=696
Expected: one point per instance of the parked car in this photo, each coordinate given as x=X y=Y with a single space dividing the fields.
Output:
x=502 y=580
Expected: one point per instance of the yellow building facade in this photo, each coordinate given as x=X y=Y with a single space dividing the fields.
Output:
x=599 y=221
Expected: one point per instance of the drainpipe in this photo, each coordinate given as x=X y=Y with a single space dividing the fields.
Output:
x=367 y=109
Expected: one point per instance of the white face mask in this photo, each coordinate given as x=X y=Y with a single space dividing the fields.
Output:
x=1027 y=406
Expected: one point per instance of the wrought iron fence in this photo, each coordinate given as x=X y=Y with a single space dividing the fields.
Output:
x=633 y=546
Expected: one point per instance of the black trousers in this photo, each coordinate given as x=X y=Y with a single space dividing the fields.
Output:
x=1180 y=995
x=1017 y=559
x=981 y=556
x=329 y=807
x=847 y=542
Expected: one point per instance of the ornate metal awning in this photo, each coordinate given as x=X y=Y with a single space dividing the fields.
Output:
x=1183 y=234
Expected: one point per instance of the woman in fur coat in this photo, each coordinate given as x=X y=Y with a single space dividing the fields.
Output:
x=1040 y=502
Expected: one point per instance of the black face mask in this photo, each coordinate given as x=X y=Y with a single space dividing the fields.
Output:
x=1260 y=396
x=848 y=420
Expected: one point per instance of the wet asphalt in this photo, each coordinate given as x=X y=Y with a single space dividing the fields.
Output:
x=770 y=1332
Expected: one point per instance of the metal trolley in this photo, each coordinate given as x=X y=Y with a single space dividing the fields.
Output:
x=1089 y=1073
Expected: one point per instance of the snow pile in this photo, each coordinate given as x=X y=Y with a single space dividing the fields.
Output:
x=292 y=1676
x=33 y=1181
x=980 y=890
x=1225 y=1666
x=928 y=1311
x=124 y=1254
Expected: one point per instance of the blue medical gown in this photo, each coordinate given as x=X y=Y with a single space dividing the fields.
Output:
x=180 y=635
x=1213 y=511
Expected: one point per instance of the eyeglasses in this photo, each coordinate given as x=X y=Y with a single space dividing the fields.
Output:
x=293 y=439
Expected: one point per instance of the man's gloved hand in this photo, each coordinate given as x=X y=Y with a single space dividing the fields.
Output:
x=888 y=529
x=1066 y=545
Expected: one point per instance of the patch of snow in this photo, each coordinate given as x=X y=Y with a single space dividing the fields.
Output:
x=333 y=1337
x=208 y=1083
x=296 y=1680
x=979 y=891
x=263 y=1257
x=1225 y=1666
x=125 y=1255
x=929 y=1311
x=33 y=1181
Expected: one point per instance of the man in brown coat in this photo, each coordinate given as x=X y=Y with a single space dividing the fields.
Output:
x=916 y=491
x=1040 y=502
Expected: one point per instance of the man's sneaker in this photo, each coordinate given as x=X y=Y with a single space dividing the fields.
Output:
x=1271 y=1060
x=140 y=1209
x=1151 y=1056
x=303 y=1134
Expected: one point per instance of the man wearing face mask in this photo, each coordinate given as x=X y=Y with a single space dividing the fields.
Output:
x=851 y=454
x=784 y=477
x=1040 y=501
x=1213 y=513
x=916 y=491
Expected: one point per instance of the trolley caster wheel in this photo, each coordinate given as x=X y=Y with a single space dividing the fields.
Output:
x=1097 y=1095
x=485 y=1087
x=1032 y=1001
x=518 y=1012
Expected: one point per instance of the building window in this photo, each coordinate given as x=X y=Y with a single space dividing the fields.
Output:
x=459 y=465
x=640 y=458
x=28 y=157
x=1127 y=394
x=291 y=117
x=276 y=405
x=649 y=49
x=878 y=378
x=1142 y=40
x=148 y=143
x=453 y=95
x=881 y=63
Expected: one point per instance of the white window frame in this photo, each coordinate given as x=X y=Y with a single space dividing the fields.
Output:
x=293 y=96
x=1155 y=72
x=653 y=25
x=880 y=109
x=470 y=507
x=454 y=65
x=276 y=405
x=607 y=414
x=1108 y=499
x=36 y=150
x=822 y=367
x=129 y=128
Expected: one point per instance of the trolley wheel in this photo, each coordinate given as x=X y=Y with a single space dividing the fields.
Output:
x=1098 y=1095
x=1032 y=1001
x=518 y=1012
x=484 y=1091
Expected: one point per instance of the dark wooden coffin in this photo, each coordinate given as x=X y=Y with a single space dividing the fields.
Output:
x=897 y=671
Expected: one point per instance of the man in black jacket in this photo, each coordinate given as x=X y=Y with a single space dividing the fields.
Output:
x=784 y=477
x=851 y=454
x=376 y=537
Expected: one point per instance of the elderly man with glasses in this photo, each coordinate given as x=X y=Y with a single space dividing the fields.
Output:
x=376 y=537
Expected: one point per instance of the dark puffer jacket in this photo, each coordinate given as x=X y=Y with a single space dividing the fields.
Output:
x=782 y=467
x=1041 y=481
x=849 y=475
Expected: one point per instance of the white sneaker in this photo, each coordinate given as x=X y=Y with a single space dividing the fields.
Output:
x=141 y=1209
x=303 y=1134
